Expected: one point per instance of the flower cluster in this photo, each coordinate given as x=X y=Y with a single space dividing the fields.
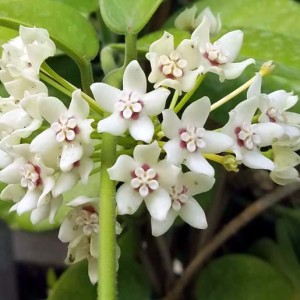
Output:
x=163 y=160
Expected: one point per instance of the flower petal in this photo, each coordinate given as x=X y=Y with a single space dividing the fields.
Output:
x=142 y=129
x=197 y=163
x=197 y=112
x=158 y=204
x=167 y=173
x=28 y=202
x=78 y=106
x=197 y=183
x=71 y=153
x=121 y=170
x=134 y=79
x=128 y=200
x=147 y=153
x=267 y=132
x=255 y=160
x=106 y=95
x=216 y=142
x=113 y=124
x=155 y=101
x=234 y=70
x=231 y=42
x=192 y=213
x=51 y=108
x=165 y=45
x=64 y=183
x=160 y=227
x=171 y=124
x=175 y=153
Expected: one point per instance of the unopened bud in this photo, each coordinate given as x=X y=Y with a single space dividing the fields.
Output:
x=230 y=163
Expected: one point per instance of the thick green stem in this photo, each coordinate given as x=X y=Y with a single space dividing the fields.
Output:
x=107 y=223
x=107 y=285
x=130 y=48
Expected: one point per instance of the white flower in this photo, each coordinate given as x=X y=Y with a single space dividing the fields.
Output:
x=189 y=140
x=81 y=169
x=183 y=203
x=248 y=137
x=285 y=160
x=174 y=68
x=273 y=109
x=29 y=185
x=145 y=178
x=187 y=20
x=132 y=107
x=21 y=61
x=68 y=133
x=219 y=57
x=80 y=229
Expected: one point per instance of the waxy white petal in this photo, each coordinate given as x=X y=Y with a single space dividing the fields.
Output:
x=155 y=101
x=147 y=153
x=171 y=124
x=113 y=124
x=158 y=204
x=142 y=129
x=128 y=200
x=197 y=163
x=78 y=106
x=192 y=213
x=197 y=112
x=134 y=78
x=106 y=95
x=121 y=170
x=160 y=227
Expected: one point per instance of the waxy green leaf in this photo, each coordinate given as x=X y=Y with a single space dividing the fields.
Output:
x=236 y=277
x=127 y=16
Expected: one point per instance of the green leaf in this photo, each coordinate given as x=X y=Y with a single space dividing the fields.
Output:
x=127 y=16
x=236 y=277
x=281 y=16
x=86 y=6
x=74 y=284
x=70 y=31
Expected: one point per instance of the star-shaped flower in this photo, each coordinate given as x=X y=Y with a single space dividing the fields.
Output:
x=189 y=140
x=145 y=178
x=68 y=133
x=183 y=203
x=30 y=184
x=174 y=68
x=248 y=137
x=131 y=107
x=219 y=57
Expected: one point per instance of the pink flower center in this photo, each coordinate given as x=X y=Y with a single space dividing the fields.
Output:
x=129 y=106
x=191 y=138
x=172 y=65
x=144 y=180
x=178 y=194
x=246 y=137
x=66 y=128
x=30 y=176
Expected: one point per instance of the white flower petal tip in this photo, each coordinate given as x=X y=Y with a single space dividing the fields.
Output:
x=187 y=20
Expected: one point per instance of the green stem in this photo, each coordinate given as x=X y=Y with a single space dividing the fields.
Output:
x=86 y=73
x=107 y=223
x=174 y=100
x=189 y=94
x=130 y=48
x=107 y=285
x=58 y=82
x=56 y=85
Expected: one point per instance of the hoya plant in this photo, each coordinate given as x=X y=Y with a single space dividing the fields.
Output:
x=113 y=133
